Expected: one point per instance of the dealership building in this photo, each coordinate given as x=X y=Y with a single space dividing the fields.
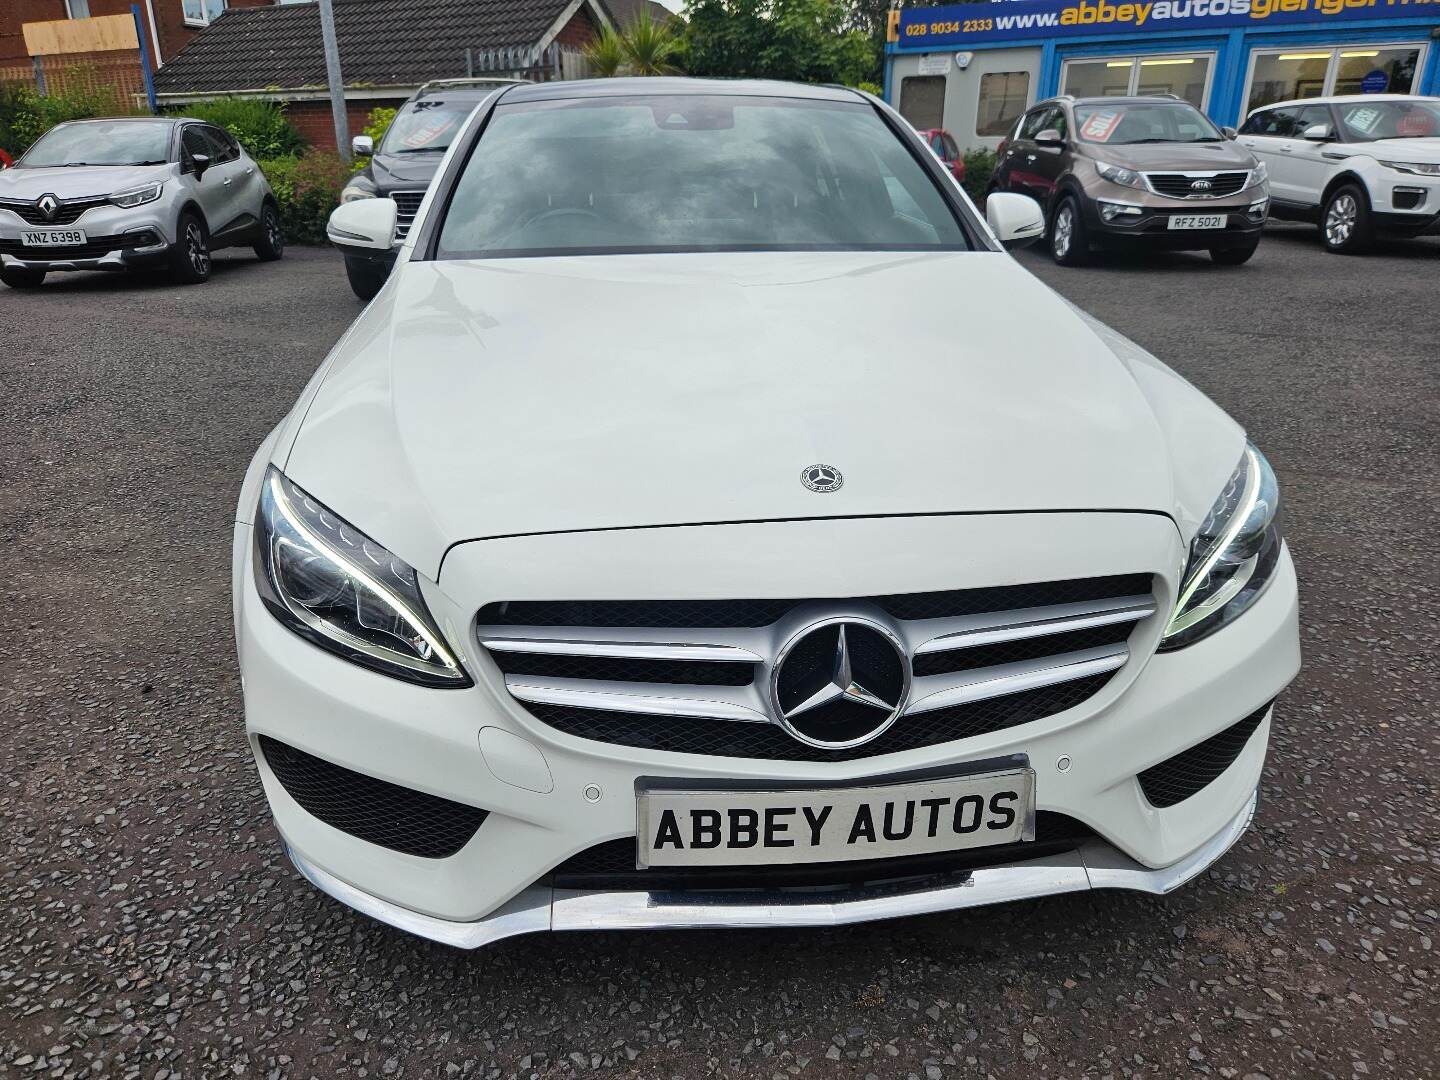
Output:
x=974 y=68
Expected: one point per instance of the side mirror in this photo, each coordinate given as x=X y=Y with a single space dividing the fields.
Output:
x=199 y=162
x=1318 y=133
x=1229 y=132
x=364 y=223
x=1049 y=137
x=362 y=146
x=1016 y=220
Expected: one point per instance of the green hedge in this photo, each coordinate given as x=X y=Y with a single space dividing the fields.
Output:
x=308 y=189
x=979 y=167
x=25 y=115
x=261 y=126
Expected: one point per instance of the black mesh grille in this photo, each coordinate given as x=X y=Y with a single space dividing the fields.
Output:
x=689 y=672
x=96 y=247
x=716 y=613
x=1175 y=779
x=1179 y=186
x=690 y=735
x=67 y=213
x=1008 y=652
x=612 y=865
x=377 y=811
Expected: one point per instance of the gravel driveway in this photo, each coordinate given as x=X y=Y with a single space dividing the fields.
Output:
x=150 y=927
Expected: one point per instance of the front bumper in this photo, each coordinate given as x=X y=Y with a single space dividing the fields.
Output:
x=552 y=795
x=116 y=239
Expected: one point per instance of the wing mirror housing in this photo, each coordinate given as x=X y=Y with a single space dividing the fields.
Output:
x=1318 y=133
x=1016 y=220
x=1049 y=137
x=366 y=224
x=362 y=146
x=199 y=162
x=1229 y=132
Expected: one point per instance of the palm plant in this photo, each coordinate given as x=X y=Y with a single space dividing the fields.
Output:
x=650 y=46
x=605 y=55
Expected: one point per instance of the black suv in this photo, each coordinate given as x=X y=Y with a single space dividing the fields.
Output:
x=402 y=166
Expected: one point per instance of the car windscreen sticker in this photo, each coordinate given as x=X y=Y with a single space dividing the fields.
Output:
x=1363 y=119
x=1414 y=124
x=428 y=132
x=1101 y=125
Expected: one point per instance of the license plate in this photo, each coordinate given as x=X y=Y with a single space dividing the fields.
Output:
x=1197 y=221
x=53 y=238
x=690 y=825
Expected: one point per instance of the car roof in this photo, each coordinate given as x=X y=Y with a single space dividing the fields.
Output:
x=478 y=88
x=1136 y=99
x=651 y=86
x=1346 y=99
x=135 y=119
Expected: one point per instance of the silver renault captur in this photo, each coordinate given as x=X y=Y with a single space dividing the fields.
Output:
x=120 y=194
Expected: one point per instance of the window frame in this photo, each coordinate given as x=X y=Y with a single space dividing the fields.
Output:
x=426 y=239
x=980 y=96
x=1332 y=66
x=205 y=19
x=70 y=6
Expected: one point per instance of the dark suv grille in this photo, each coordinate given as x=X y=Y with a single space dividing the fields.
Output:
x=1180 y=186
x=612 y=865
x=1175 y=779
x=67 y=213
x=407 y=205
x=377 y=811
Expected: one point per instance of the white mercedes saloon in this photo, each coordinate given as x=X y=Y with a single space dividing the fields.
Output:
x=710 y=524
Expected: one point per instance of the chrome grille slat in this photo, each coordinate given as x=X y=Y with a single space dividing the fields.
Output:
x=967 y=631
x=932 y=692
x=1006 y=651
x=407 y=205
x=740 y=703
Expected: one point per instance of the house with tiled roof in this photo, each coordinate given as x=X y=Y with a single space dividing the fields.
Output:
x=388 y=48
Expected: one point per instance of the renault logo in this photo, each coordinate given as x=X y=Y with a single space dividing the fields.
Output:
x=840 y=682
x=48 y=205
x=822 y=478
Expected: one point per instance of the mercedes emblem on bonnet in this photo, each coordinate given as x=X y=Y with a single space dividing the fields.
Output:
x=822 y=478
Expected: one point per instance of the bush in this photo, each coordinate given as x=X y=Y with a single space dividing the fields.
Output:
x=307 y=189
x=261 y=126
x=379 y=123
x=25 y=115
x=979 y=167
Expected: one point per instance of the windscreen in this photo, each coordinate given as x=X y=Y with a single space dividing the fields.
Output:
x=1370 y=120
x=426 y=126
x=1144 y=122
x=692 y=173
x=101 y=142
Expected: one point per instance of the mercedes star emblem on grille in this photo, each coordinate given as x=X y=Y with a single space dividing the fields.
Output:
x=822 y=478
x=840 y=682
x=48 y=205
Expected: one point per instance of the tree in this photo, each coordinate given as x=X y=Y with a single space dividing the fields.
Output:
x=802 y=40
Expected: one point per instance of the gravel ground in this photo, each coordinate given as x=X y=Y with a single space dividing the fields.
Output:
x=149 y=925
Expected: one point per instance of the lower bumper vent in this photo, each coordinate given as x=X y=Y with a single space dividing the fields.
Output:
x=377 y=811
x=1175 y=779
x=611 y=865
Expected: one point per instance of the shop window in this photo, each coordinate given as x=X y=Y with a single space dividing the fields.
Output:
x=1186 y=77
x=1342 y=69
x=922 y=100
x=1003 y=97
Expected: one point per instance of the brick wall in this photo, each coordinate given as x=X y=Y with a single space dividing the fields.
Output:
x=579 y=31
x=16 y=13
x=314 y=122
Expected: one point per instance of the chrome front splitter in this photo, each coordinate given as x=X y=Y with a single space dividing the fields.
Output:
x=1094 y=865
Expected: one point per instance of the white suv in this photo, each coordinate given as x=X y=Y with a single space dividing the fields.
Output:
x=1357 y=166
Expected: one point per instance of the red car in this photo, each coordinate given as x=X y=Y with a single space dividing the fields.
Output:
x=943 y=143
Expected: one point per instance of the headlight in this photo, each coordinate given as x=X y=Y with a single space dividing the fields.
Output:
x=1118 y=175
x=1232 y=557
x=357 y=188
x=1258 y=175
x=1419 y=168
x=138 y=196
x=332 y=584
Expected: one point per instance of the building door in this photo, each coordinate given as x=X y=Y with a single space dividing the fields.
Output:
x=922 y=100
x=1187 y=76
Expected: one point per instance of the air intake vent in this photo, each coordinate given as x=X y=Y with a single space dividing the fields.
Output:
x=1175 y=779
x=377 y=811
